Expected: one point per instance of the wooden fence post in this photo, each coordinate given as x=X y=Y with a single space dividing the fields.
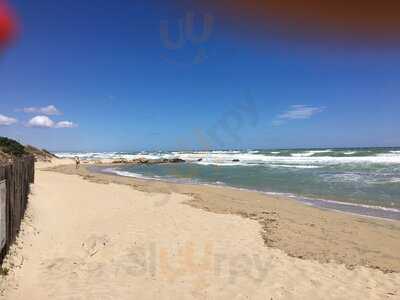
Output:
x=16 y=177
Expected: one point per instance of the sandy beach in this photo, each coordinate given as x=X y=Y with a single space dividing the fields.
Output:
x=99 y=236
x=199 y=150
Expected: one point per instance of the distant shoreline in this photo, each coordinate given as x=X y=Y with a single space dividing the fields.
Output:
x=357 y=209
x=364 y=181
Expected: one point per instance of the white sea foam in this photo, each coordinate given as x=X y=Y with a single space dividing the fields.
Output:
x=290 y=160
x=350 y=204
x=221 y=163
x=373 y=207
x=253 y=151
x=87 y=155
x=349 y=153
x=388 y=155
x=305 y=158
x=128 y=174
x=310 y=153
x=296 y=166
x=111 y=155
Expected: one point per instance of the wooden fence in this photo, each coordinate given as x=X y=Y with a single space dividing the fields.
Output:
x=15 y=180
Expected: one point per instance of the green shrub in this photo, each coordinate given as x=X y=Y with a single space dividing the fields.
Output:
x=11 y=147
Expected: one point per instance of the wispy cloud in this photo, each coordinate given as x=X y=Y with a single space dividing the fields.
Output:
x=46 y=122
x=7 y=121
x=300 y=112
x=66 y=124
x=50 y=110
x=297 y=112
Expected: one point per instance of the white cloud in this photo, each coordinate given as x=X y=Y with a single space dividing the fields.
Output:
x=50 y=110
x=7 y=121
x=46 y=122
x=66 y=124
x=300 y=112
x=297 y=112
x=41 y=122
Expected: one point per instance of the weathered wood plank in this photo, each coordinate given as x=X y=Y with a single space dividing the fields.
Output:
x=18 y=174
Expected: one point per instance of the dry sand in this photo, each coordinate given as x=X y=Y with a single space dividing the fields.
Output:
x=87 y=240
x=299 y=230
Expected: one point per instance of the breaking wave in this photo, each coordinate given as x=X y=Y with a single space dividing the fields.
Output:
x=258 y=157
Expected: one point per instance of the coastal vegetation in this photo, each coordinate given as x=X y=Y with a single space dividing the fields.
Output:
x=11 y=149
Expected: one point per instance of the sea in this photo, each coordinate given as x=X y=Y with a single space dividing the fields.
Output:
x=363 y=181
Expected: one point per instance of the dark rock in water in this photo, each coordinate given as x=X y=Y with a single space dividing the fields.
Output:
x=200 y=159
x=139 y=161
x=154 y=161
x=120 y=161
x=235 y=160
x=176 y=160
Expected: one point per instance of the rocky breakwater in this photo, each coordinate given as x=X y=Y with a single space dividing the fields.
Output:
x=148 y=161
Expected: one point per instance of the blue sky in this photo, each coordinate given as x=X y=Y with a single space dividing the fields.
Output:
x=99 y=75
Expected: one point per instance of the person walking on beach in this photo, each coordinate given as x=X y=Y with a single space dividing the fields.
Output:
x=77 y=162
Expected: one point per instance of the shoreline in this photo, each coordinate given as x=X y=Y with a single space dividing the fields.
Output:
x=352 y=208
x=298 y=229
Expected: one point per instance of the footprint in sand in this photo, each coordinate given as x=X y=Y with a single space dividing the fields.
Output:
x=94 y=244
x=77 y=276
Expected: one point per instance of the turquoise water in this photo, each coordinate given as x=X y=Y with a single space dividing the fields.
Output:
x=360 y=180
